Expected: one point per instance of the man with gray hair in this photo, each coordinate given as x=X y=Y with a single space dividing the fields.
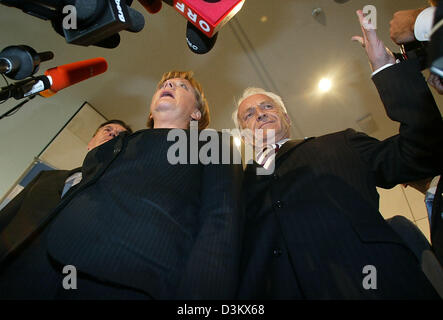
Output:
x=273 y=124
x=314 y=230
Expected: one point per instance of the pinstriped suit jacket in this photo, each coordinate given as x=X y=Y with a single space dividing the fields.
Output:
x=314 y=225
x=172 y=231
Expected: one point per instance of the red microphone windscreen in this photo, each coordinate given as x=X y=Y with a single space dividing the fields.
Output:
x=69 y=74
x=152 y=6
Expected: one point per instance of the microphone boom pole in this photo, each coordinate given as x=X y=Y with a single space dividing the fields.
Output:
x=10 y=112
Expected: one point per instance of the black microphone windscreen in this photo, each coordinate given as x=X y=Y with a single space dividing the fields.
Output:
x=197 y=41
x=170 y=2
x=45 y=56
x=88 y=11
x=110 y=42
x=137 y=21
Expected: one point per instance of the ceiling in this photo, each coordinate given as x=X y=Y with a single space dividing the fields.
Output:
x=287 y=52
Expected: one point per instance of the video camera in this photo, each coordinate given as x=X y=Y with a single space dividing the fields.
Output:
x=85 y=22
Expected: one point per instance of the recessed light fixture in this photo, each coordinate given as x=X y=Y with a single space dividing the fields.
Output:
x=325 y=85
x=264 y=19
x=316 y=11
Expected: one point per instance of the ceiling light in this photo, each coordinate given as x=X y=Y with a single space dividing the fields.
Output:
x=325 y=84
x=264 y=19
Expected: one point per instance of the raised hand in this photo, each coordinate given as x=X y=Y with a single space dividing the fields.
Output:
x=377 y=53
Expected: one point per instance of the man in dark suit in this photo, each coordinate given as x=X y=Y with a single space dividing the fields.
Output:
x=432 y=191
x=45 y=191
x=313 y=228
x=22 y=219
x=437 y=221
x=138 y=226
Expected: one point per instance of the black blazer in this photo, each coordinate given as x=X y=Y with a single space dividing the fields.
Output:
x=314 y=224
x=25 y=215
x=437 y=222
x=171 y=231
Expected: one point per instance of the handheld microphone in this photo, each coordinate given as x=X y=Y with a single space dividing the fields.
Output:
x=55 y=79
x=197 y=41
x=24 y=88
x=209 y=16
x=205 y=19
x=19 y=62
x=69 y=74
x=110 y=42
x=152 y=6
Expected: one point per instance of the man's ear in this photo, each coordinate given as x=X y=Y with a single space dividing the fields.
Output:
x=196 y=115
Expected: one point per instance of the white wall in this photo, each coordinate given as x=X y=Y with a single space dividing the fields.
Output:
x=69 y=149
x=406 y=202
x=24 y=135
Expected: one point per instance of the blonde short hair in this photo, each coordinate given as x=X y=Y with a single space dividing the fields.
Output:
x=202 y=103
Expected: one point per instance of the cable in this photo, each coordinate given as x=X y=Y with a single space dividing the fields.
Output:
x=16 y=108
x=7 y=84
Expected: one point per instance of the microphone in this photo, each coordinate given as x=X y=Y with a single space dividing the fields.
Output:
x=197 y=41
x=205 y=19
x=152 y=6
x=93 y=22
x=55 y=79
x=110 y=42
x=137 y=21
x=69 y=74
x=19 y=62
x=209 y=16
x=99 y=20
x=24 y=88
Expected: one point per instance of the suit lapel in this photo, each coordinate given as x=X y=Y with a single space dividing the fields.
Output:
x=98 y=159
x=290 y=146
x=286 y=149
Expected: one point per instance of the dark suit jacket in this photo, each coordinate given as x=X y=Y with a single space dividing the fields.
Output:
x=25 y=215
x=137 y=222
x=314 y=224
x=437 y=222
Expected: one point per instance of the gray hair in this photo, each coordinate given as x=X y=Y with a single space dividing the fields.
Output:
x=253 y=91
